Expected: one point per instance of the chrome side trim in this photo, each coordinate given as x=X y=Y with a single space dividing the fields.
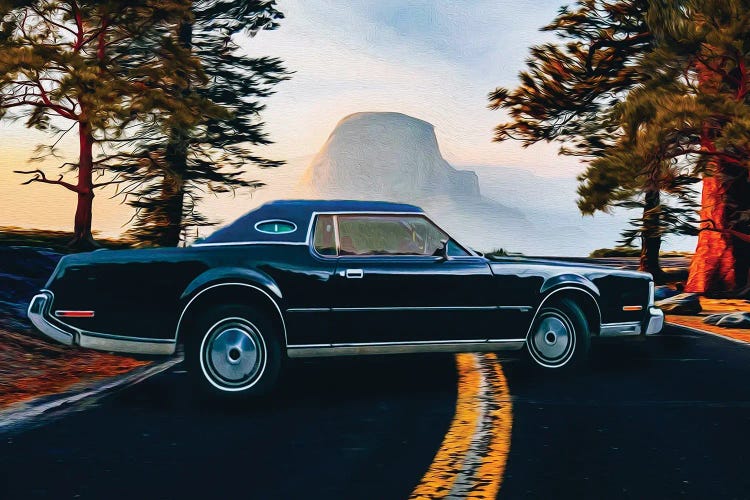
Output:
x=416 y=342
x=539 y=308
x=409 y=308
x=622 y=329
x=190 y=302
x=238 y=243
x=402 y=348
x=130 y=345
x=432 y=308
x=425 y=308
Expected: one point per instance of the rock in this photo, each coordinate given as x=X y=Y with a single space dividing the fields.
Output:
x=735 y=320
x=684 y=303
x=712 y=319
x=664 y=292
x=23 y=271
x=395 y=157
x=28 y=262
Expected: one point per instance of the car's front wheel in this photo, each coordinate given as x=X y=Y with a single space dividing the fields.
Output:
x=234 y=351
x=560 y=336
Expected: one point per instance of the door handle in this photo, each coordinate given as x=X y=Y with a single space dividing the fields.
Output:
x=354 y=273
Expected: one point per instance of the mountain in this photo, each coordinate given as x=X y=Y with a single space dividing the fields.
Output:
x=395 y=157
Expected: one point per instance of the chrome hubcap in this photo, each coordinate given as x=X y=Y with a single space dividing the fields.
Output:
x=233 y=353
x=553 y=339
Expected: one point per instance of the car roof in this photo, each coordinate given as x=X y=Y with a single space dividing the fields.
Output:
x=297 y=212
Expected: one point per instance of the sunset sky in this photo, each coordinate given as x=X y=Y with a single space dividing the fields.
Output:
x=432 y=59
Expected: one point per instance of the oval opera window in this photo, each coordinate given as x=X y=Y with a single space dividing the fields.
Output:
x=276 y=226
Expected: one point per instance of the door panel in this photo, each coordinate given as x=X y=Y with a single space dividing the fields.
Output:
x=412 y=299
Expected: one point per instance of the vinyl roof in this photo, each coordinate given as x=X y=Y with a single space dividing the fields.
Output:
x=298 y=212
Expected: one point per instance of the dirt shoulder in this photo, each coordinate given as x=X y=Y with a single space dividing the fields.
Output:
x=715 y=306
x=31 y=367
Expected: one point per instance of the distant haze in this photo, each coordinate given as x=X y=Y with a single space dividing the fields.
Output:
x=395 y=157
x=391 y=156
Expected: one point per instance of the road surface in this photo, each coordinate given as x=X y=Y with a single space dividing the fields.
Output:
x=666 y=418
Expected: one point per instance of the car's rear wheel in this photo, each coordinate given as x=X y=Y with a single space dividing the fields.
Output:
x=559 y=337
x=234 y=351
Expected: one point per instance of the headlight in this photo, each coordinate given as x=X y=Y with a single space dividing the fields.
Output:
x=651 y=289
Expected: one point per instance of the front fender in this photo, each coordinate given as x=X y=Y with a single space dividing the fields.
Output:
x=568 y=279
x=231 y=274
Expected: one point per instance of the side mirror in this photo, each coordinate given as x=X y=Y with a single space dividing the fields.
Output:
x=442 y=251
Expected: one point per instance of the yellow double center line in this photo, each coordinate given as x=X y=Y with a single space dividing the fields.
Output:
x=471 y=461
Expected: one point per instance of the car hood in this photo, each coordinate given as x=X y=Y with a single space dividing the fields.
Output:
x=551 y=266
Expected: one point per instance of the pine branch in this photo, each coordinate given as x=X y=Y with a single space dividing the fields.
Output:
x=40 y=177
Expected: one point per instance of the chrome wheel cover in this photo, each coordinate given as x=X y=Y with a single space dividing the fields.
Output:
x=233 y=354
x=552 y=341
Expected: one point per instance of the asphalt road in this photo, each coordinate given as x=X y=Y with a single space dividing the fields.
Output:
x=666 y=418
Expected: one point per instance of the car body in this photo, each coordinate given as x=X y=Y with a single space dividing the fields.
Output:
x=312 y=278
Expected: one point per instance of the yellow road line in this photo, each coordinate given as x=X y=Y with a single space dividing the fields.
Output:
x=489 y=477
x=439 y=479
x=478 y=441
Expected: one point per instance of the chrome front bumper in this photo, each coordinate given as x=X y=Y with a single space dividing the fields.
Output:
x=38 y=308
x=655 y=321
x=652 y=325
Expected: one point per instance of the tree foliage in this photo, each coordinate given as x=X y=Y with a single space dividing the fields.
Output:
x=652 y=96
x=202 y=142
x=60 y=69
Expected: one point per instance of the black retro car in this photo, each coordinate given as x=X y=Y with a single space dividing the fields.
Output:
x=324 y=278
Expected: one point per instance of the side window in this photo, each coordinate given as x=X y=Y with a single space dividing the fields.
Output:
x=456 y=251
x=391 y=235
x=324 y=237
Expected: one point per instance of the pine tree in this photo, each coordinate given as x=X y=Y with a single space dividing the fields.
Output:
x=57 y=66
x=635 y=174
x=655 y=87
x=208 y=143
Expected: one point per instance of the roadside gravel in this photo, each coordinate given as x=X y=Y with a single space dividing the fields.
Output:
x=31 y=366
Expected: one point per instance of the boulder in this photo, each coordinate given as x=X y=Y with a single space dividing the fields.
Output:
x=712 y=319
x=664 y=292
x=735 y=320
x=687 y=304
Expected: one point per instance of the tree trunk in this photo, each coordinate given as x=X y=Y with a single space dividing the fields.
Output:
x=719 y=265
x=173 y=185
x=173 y=196
x=651 y=233
x=82 y=237
x=713 y=266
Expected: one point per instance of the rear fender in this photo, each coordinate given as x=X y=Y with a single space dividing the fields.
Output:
x=231 y=274
x=250 y=279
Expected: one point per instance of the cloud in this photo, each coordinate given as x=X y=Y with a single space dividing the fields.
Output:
x=433 y=60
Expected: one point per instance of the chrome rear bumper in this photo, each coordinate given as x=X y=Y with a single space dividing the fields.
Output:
x=37 y=309
x=38 y=312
